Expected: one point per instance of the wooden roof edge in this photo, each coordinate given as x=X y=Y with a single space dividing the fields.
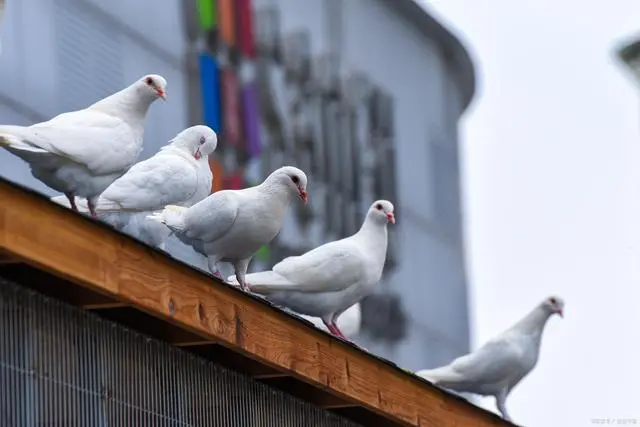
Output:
x=110 y=269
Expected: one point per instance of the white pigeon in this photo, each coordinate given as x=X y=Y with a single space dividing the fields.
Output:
x=499 y=365
x=80 y=153
x=231 y=225
x=178 y=174
x=329 y=279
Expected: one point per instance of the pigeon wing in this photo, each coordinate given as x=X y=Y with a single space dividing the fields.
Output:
x=152 y=184
x=103 y=143
x=328 y=268
x=213 y=217
x=491 y=363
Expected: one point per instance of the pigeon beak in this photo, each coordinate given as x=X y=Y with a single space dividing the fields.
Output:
x=162 y=94
x=302 y=194
x=561 y=313
x=391 y=217
x=198 y=154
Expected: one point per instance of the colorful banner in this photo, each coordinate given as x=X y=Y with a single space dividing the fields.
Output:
x=246 y=39
x=226 y=9
x=217 y=169
x=207 y=14
x=253 y=144
x=228 y=108
x=210 y=84
x=231 y=108
x=234 y=180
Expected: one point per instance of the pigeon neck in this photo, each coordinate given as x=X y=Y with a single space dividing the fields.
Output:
x=374 y=227
x=127 y=104
x=534 y=322
x=180 y=151
x=373 y=236
x=273 y=189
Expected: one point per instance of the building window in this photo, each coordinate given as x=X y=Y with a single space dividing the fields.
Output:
x=88 y=49
x=446 y=187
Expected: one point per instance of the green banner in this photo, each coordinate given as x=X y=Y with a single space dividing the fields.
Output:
x=207 y=14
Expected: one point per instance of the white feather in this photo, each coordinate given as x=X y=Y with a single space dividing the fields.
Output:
x=82 y=152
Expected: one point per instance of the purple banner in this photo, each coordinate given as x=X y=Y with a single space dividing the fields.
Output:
x=251 y=119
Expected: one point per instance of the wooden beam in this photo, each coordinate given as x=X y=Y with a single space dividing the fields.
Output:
x=6 y=259
x=269 y=375
x=191 y=343
x=322 y=398
x=94 y=301
x=95 y=257
x=103 y=305
x=237 y=362
x=181 y=338
x=366 y=418
x=152 y=326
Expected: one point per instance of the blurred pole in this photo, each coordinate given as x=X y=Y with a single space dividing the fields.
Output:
x=629 y=54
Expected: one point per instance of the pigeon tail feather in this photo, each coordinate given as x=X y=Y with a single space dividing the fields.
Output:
x=263 y=282
x=15 y=142
x=12 y=138
x=438 y=375
x=17 y=132
x=172 y=216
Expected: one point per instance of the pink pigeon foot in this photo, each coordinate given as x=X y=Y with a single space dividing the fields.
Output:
x=338 y=331
x=330 y=327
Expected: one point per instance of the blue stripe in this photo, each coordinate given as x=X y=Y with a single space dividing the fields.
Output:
x=210 y=84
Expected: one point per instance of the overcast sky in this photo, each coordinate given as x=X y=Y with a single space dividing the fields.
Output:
x=552 y=183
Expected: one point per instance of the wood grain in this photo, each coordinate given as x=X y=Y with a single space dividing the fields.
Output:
x=127 y=273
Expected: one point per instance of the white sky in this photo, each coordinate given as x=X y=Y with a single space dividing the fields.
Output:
x=552 y=165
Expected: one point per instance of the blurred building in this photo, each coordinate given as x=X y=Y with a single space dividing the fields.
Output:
x=364 y=95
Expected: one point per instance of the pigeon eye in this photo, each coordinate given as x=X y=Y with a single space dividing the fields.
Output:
x=202 y=139
x=295 y=179
x=149 y=81
x=379 y=206
x=553 y=301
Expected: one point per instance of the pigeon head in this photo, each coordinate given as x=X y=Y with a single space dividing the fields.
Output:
x=292 y=178
x=383 y=211
x=554 y=305
x=152 y=86
x=199 y=141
